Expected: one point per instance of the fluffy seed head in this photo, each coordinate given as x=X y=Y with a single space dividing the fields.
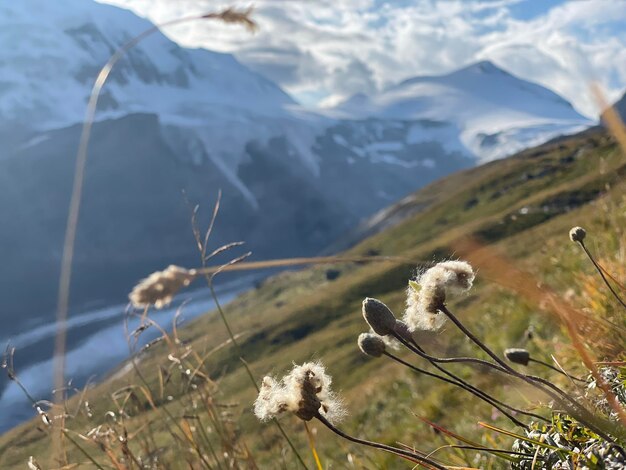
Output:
x=577 y=234
x=378 y=316
x=305 y=391
x=371 y=344
x=159 y=288
x=271 y=400
x=422 y=306
x=453 y=276
x=517 y=356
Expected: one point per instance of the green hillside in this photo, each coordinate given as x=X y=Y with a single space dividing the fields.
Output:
x=522 y=206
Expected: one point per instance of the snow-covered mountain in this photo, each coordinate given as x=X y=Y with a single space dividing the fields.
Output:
x=52 y=51
x=488 y=112
x=173 y=119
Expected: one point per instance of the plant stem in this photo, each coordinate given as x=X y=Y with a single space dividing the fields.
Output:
x=378 y=445
x=316 y=457
x=503 y=366
x=550 y=366
x=575 y=409
x=495 y=400
x=467 y=384
x=474 y=391
x=247 y=368
x=599 y=269
x=82 y=451
x=475 y=339
x=496 y=451
x=446 y=360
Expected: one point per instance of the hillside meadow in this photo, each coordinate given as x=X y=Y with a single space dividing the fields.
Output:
x=186 y=402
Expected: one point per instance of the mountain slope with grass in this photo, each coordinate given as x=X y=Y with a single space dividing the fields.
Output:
x=521 y=207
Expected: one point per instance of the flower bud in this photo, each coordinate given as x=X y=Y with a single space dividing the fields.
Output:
x=378 y=316
x=517 y=356
x=371 y=344
x=577 y=234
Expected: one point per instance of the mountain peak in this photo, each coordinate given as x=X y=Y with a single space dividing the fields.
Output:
x=494 y=111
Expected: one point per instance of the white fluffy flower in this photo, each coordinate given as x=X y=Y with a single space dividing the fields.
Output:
x=305 y=391
x=422 y=306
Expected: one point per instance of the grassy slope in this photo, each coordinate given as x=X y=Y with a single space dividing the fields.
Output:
x=301 y=315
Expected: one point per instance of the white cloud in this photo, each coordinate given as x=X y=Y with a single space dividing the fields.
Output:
x=333 y=48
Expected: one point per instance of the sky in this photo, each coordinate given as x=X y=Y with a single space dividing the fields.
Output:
x=323 y=51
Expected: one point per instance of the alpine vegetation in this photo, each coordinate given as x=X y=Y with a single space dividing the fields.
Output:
x=305 y=391
x=428 y=293
x=427 y=311
x=565 y=428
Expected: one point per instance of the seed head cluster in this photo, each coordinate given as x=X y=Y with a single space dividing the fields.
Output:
x=422 y=307
x=159 y=288
x=305 y=391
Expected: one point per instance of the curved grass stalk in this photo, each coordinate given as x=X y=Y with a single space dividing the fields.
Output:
x=227 y=15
